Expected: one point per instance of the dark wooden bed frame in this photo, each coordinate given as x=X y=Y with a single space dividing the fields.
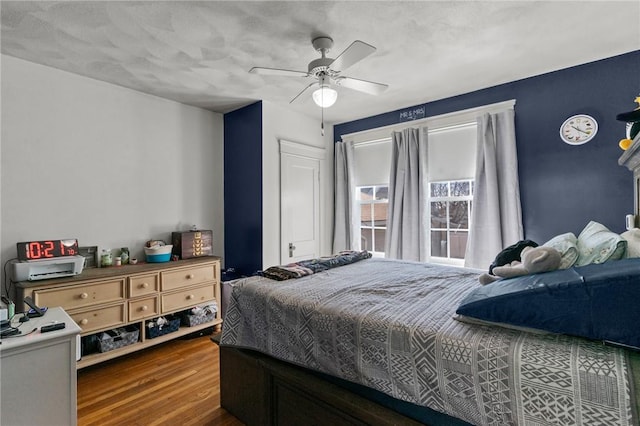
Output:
x=262 y=391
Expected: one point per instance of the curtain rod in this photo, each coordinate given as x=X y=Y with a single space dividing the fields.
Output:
x=372 y=142
x=499 y=106
x=387 y=139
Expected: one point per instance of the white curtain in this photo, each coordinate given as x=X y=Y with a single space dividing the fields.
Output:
x=406 y=219
x=496 y=218
x=345 y=207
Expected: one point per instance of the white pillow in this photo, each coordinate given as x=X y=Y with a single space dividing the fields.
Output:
x=632 y=236
x=567 y=245
x=596 y=244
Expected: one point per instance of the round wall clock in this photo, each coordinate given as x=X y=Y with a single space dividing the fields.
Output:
x=578 y=129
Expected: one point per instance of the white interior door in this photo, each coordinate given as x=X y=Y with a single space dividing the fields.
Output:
x=299 y=203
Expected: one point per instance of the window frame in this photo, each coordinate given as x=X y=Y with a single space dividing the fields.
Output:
x=371 y=203
x=448 y=199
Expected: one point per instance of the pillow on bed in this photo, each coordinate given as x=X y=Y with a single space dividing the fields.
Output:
x=567 y=245
x=596 y=244
x=632 y=236
x=598 y=301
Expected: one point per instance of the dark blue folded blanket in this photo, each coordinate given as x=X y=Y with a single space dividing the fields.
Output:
x=311 y=266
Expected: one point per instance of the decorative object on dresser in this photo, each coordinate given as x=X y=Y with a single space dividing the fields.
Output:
x=194 y=243
x=90 y=254
x=158 y=253
x=104 y=299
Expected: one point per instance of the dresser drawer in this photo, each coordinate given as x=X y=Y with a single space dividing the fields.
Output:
x=188 y=276
x=187 y=298
x=143 y=284
x=100 y=318
x=143 y=308
x=82 y=295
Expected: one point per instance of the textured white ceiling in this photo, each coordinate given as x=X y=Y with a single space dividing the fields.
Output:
x=199 y=53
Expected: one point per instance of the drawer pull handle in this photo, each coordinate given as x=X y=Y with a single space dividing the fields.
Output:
x=191 y=296
x=144 y=308
x=190 y=276
x=144 y=285
x=83 y=295
x=84 y=321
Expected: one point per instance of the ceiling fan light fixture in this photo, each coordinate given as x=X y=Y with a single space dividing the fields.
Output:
x=325 y=96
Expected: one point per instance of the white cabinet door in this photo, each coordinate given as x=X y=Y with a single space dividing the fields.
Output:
x=299 y=207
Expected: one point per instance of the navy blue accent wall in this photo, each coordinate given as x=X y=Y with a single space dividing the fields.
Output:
x=243 y=189
x=562 y=187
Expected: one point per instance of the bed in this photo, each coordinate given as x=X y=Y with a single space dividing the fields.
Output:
x=379 y=342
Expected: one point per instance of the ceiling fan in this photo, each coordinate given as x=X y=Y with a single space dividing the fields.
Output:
x=327 y=72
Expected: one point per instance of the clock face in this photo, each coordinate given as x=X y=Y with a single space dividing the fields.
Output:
x=578 y=129
x=48 y=249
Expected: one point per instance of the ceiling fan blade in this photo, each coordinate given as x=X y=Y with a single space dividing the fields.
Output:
x=357 y=51
x=303 y=90
x=361 y=85
x=277 y=71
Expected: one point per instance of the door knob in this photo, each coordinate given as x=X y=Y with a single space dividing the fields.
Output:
x=291 y=249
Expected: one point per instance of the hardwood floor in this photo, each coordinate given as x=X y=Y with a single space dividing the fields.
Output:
x=177 y=382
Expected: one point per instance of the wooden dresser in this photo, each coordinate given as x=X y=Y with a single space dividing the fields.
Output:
x=101 y=299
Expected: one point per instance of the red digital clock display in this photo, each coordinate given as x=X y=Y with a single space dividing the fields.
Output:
x=48 y=249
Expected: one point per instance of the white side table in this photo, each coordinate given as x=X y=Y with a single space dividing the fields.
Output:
x=38 y=373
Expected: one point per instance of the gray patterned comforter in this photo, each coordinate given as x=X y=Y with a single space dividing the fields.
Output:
x=389 y=325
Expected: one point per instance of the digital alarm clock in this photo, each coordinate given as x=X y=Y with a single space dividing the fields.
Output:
x=47 y=249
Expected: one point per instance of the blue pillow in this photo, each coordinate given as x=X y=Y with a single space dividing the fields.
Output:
x=598 y=301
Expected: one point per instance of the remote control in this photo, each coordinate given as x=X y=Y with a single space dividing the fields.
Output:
x=52 y=327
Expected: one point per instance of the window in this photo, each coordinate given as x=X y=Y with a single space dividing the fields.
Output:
x=450 y=206
x=452 y=159
x=374 y=203
x=451 y=165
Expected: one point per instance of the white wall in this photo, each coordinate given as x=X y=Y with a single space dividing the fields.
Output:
x=107 y=165
x=280 y=123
